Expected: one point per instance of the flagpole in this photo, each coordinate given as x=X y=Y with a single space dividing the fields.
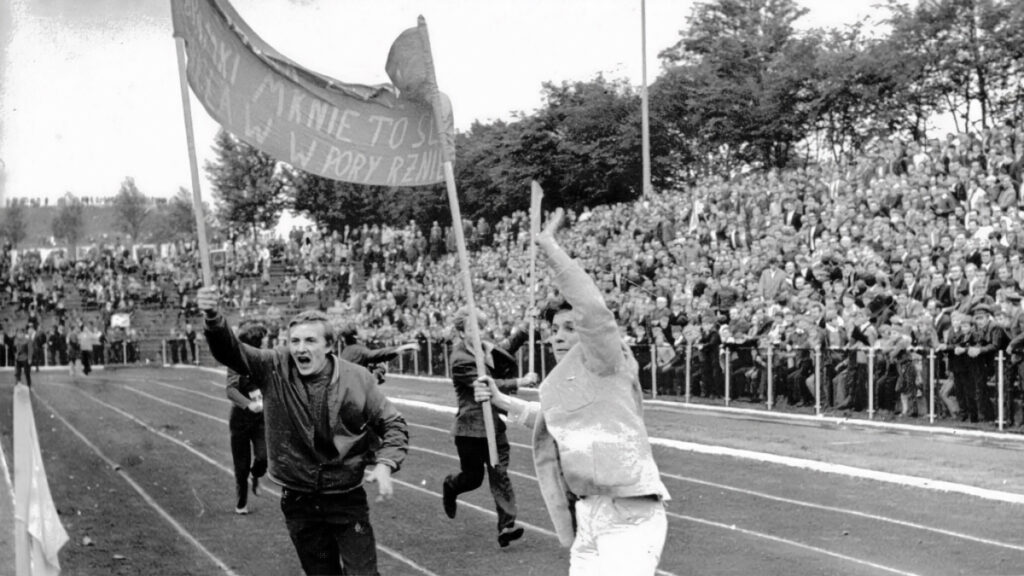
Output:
x=645 y=123
x=536 y=195
x=460 y=243
x=197 y=197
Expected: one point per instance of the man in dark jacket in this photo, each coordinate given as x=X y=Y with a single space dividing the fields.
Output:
x=326 y=421
x=373 y=360
x=469 y=432
x=982 y=346
x=248 y=443
x=24 y=352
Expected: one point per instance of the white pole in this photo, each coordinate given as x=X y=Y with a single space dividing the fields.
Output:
x=931 y=386
x=999 y=388
x=645 y=124
x=536 y=196
x=817 y=382
x=460 y=244
x=871 y=383
x=197 y=197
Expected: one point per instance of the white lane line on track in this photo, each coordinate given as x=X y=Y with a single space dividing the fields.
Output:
x=814 y=465
x=843 y=470
x=807 y=547
x=450 y=410
x=142 y=492
x=8 y=479
x=434 y=407
x=754 y=493
x=526 y=525
x=217 y=464
x=745 y=531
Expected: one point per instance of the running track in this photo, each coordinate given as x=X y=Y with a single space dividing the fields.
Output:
x=748 y=496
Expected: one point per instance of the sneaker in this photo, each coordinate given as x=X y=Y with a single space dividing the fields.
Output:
x=244 y=510
x=448 y=497
x=509 y=534
x=255 y=486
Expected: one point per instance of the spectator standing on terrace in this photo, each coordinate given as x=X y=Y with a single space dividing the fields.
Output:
x=326 y=421
x=88 y=337
x=74 y=350
x=39 y=345
x=985 y=340
x=248 y=444
x=468 y=429
x=24 y=351
x=190 y=341
x=590 y=444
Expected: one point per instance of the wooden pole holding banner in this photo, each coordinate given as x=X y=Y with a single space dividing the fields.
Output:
x=460 y=243
x=197 y=197
x=536 y=196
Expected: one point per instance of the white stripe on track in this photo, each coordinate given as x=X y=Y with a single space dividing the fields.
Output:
x=868 y=474
x=526 y=525
x=833 y=509
x=217 y=464
x=814 y=465
x=950 y=533
x=8 y=478
x=841 y=469
x=780 y=540
x=142 y=492
x=686 y=447
x=857 y=513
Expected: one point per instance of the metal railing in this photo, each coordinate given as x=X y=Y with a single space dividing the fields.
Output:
x=760 y=376
x=763 y=375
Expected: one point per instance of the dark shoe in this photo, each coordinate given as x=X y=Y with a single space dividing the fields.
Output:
x=509 y=534
x=255 y=486
x=448 y=497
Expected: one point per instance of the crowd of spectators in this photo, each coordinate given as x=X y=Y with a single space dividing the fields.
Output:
x=838 y=269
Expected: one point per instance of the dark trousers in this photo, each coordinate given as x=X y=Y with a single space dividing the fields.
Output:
x=248 y=451
x=473 y=460
x=86 y=361
x=331 y=530
x=22 y=367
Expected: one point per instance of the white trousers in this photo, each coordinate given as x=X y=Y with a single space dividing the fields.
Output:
x=617 y=536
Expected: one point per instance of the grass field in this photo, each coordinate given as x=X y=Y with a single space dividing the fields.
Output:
x=139 y=464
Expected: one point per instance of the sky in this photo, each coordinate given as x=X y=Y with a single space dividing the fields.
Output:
x=89 y=89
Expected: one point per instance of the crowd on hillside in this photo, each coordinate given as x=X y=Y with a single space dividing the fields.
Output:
x=914 y=246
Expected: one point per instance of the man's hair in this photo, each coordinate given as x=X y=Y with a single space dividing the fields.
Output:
x=313 y=317
x=462 y=314
x=348 y=333
x=252 y=333
x=551 y=311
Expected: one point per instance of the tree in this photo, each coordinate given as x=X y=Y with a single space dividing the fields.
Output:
x=14 y=226
x=176 y=219
x=333 y=203
x=131 y=208
x=69 y=223
x=247 y=184
x=751 y=83
x=970 y=55
x=583 y=147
